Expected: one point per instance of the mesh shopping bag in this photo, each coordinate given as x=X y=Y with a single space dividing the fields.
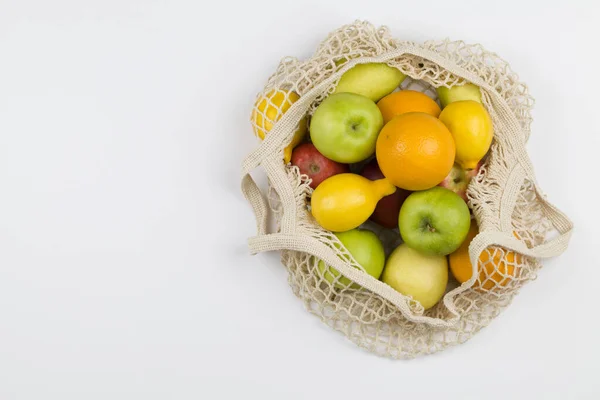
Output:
x=518 y=227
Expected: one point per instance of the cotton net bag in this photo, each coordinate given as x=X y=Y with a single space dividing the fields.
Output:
x=518 y=226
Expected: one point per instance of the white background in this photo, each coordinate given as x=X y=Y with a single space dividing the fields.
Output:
x=124 y=272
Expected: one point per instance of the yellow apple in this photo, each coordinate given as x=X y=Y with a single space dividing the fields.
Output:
x=424 y=277
x=467 y=91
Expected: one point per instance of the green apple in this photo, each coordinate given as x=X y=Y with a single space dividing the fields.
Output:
x=345 y=126
x=422 y=276
x=434 y=221
x=367 y=250
x=467 y=91
x=373 y=80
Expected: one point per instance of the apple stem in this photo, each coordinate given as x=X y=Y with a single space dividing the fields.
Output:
x=426 y=225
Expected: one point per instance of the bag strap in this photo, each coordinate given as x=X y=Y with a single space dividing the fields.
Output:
x=253 y=194
x=505 y=238
x=304 y=242
x=257 y=201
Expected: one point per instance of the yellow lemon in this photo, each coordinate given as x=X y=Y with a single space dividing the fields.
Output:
x=471 y=126
x=344 y=201
x=269 y=109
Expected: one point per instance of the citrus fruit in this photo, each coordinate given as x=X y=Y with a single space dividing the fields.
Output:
x=344 y=201
x=269 y=109
x=471 y=127
x=415 y=151
x=495 y=270
x=406 y=101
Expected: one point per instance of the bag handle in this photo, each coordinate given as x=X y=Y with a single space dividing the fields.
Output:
x=257 y=201
x=505 y=238
x=253 y=194
x=276 y=172
x=303 y=242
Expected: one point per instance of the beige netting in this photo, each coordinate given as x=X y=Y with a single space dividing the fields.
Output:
x=518 y=227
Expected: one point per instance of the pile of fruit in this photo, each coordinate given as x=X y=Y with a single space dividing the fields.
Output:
x=411 y=163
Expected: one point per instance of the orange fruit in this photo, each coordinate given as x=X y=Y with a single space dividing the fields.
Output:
x=406 y=101
x=415 y=151
x=495 y=270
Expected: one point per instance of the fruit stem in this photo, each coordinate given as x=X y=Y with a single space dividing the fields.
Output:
x=426 y=226
x=383 y=187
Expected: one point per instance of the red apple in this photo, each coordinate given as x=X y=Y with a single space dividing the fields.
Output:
x=314 y=164
x=387 y=209
x=458 y=179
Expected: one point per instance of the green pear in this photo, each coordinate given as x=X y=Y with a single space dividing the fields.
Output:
x=372 y=80
x=467 y=91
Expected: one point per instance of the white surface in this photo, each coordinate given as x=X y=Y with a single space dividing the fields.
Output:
x=123 y=267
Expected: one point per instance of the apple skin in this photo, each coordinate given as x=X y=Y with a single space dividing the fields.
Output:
x=367 y=250
x=422 y=276
x=387 y=209
x=345 y=126
x=458 y=179
x=373 y=80
x=434 y=221
x=315 y=165
x=467 y=91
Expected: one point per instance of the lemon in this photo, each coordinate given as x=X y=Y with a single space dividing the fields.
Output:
x=471 y=127
x=269 y=109
x=344 y=201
